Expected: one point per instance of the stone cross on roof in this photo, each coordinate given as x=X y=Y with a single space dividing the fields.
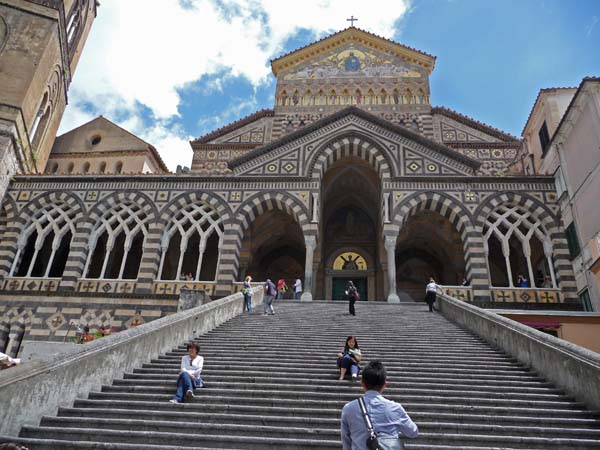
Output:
x=351 y=20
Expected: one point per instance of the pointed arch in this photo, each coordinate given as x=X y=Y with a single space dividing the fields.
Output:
x=350 y=144
x=48 y=224
x=193 y=236
x=529 y=213
x=119 y=228
x=462 y=221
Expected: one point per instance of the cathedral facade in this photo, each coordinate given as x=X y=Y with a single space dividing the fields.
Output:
x=352 y=175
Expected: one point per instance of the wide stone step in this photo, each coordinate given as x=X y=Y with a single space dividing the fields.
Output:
x=186 y=440
x=320 y=410
x=422 y=418
x=331 y=389
x=287 y=399
x=297 y=377
x=307 y=383
x=481 y=375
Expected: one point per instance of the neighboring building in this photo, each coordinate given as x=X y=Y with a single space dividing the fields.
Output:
x=40 y=45
x=562 y=139
x=100 y=146
x=352 y=175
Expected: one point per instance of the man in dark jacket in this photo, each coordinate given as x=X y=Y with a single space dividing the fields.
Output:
x=270 y=293
x=352 y=294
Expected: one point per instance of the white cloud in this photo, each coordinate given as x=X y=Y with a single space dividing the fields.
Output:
x=140 y=52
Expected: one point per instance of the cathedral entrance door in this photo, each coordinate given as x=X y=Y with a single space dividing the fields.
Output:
x=339 y=287
x=351 y=233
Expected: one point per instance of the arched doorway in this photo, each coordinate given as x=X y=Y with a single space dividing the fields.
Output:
x=428 y=246
x=350 y=230
x=273 y=247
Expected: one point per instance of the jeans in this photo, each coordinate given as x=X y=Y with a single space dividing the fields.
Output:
x=297 y=295
x=348 y=363
x=247 y=302
x=268 y=303
x=351 y=309
x=280 y=295
x=185 y=383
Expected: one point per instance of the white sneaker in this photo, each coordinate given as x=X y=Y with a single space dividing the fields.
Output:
x=173 y=401
x=189 y=395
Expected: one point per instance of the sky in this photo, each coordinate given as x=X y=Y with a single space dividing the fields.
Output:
x=172 y=70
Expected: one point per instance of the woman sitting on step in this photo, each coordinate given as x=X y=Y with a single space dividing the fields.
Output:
x=189 y=377
x=349 y=359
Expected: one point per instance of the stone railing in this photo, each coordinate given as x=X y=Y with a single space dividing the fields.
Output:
x=525 y=295
x=571 y=367
x=464 y=293
x=38 y=388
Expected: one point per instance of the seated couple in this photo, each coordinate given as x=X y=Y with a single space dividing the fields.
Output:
x=349 y=359
x=189 y=377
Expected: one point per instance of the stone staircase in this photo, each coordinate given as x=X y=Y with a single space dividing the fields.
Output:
x=272 y=384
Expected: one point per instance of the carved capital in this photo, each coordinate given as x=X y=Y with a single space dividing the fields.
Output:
x=310 y=241
x=390 y=243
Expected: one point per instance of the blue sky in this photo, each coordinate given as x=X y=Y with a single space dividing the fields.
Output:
x=209 y=65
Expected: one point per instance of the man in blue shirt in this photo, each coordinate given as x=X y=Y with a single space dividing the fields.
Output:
x=388 y=418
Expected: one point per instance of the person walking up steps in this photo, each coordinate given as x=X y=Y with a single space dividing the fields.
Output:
x=431 y=293
x=353 y=295
x=388 y=419
x=270 y=292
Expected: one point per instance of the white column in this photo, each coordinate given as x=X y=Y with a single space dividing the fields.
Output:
x=548 y=254
x=315 y=208
x=311 y=242
x=390 y=247
x=386 y=207
x=506 y=253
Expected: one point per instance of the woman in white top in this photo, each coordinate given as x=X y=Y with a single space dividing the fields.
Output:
x=431 y=293
x=189 y=377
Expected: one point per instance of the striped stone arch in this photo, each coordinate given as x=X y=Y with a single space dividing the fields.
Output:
x=61 y=204
x=80 y=244
x=191 y=197
x=563 y=268
x=150 y=267
x=350 y=144
x=9 y=233
x=268 y=201
x=540 y=211
x=245 y=215
x=450 y=208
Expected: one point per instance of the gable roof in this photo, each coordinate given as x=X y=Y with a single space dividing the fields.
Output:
x=352 y=34
x=112 y=138
x=541 y=93
x=568 y=112
x=233 y=126
x=483 y=127
x=353 y=110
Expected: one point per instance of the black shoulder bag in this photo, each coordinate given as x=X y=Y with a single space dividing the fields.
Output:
x=372 y=442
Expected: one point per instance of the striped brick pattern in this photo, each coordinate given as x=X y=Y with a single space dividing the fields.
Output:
x=10 y=234
x=348 y=146
x=245 y=215
x=460 y=218
x=562 y=264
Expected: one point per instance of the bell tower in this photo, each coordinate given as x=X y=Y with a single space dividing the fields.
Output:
x=40 y=45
